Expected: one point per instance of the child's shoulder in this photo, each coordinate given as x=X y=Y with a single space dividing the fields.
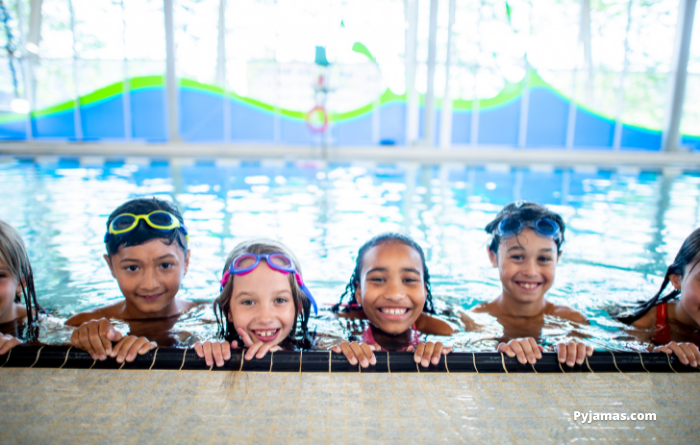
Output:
x=111 y=311
x=432 y=325
x=565 y=312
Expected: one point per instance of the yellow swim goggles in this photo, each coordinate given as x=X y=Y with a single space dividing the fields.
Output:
x=159 y=220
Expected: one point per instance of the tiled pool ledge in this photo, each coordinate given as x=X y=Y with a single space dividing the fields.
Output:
x=177 y=359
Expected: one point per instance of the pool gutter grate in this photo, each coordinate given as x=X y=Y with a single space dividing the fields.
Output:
x=320 y=361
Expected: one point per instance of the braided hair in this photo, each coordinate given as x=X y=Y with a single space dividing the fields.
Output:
x=354 y=282
x=687 y=255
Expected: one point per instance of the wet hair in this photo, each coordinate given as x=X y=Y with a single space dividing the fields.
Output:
x=14 y=256
x=524 y=211
x=687 y=258
x=302 y=305
x=354 y=282
x=143 y=232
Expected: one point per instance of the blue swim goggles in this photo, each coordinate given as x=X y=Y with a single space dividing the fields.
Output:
x=280 y=262
x=544 y=227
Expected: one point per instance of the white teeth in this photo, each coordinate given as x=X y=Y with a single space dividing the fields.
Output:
x=395 y=311
x=266 y=333
x=529 y=285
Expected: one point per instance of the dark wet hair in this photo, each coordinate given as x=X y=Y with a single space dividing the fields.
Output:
x=524 y=211
x=354 y=282
x=14 y=256
x=143 y=232
x=302 y=305
x=687 y=256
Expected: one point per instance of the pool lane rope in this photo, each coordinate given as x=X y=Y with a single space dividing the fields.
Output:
x=615 y=362
x=474 y=362
x=184 y=356
x=503 y=363
x=7 y=359
x=641 y=360
x=155 y=354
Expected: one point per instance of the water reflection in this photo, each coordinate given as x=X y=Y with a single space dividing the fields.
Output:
x=624 y=228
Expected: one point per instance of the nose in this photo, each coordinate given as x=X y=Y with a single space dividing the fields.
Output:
x=395 y=291
x=149 y=281
x=530 y=268
x=265 y=314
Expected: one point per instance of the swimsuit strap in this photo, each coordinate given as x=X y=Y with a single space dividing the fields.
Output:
x=661 y=321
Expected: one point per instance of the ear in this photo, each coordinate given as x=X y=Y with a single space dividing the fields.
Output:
x=559 y=256
x=676 y=281
x=108 y=260
x=20 y=287
x=493 y=257
x=187 y=262
x=358 y=293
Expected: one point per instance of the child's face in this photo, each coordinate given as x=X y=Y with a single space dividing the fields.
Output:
x=262 y=303
x=392 y=289
x=149 y=275
x=9 y=288
x=526 y=264
x=689 y=285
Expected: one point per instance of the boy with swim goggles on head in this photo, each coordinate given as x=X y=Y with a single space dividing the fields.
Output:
x=263 y=303
x=526 y=247
x=148 y=255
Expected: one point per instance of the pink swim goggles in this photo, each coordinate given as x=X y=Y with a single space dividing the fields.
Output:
x=280 y=262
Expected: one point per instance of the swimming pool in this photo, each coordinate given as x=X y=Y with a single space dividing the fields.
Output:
x=623 y=228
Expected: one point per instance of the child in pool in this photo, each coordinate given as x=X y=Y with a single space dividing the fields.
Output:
x=390 y=287
x=526 y=247
x=16 y=282
x=147 y=254
x=676 y=315
x=263 y=298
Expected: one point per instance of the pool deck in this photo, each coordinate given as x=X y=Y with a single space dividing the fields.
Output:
x=431 y=155
x=69 y=406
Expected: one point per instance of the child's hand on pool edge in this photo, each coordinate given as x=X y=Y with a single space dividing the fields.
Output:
x=256 y=348
x=427 y=353
x=355 y=352
x=8 y=342
x=687 y=353
x=130 y=346
x=572 y=352
x=525 y=349
x=215 y=351
x=95 y=337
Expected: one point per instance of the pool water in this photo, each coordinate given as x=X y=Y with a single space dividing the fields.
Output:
x=623 y=228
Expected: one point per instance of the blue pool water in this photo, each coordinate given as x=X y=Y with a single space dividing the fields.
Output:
x=623 y=228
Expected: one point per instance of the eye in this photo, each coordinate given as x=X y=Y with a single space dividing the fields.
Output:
x=376 y=279
x=516 y=257
x=544 y=259
x=247 y=302
x=280 y=300
x=166 y=265
x=131 y=268
x=410 y=280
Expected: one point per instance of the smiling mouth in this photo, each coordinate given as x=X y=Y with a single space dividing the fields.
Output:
x=266 y=335
x=150 y=297
x=528 y=285
x=394 y=313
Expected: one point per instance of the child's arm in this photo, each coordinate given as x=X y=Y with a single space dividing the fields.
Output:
x=8 y=342
x=687 y=353
x=355 y=352
x=215 y=351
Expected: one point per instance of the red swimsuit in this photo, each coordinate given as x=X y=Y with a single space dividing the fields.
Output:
x=663 y=330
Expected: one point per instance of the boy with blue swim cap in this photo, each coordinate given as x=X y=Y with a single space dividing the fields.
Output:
x=148 y=255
